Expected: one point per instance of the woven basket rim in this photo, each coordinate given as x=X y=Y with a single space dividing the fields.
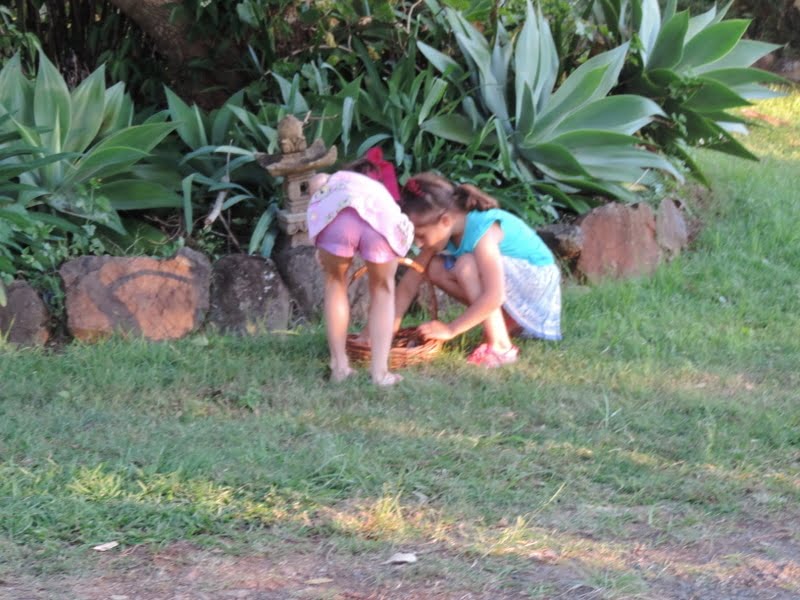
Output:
x=399 y=355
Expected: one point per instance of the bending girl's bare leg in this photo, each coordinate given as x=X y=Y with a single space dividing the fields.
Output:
x=381 y=320
x=446 y=280
x=337 y=311
x=469 y=281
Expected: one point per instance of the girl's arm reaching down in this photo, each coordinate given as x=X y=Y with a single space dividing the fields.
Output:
x=408 y=286
x=491 y=288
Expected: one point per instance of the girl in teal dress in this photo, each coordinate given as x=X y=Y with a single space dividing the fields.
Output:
x=486 y=258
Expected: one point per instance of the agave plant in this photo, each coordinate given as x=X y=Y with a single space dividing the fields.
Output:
x=574 y=138
x=90 y=130
x=23 y=232
x=695 y=68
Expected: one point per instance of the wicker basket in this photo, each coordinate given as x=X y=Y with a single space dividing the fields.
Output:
x=408 y=346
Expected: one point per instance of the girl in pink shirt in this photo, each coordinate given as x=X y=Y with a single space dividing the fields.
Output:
x=352 y=211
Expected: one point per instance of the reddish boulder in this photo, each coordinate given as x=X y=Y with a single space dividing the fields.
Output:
x=24 y=318
x=618 y=241
x=159 y=299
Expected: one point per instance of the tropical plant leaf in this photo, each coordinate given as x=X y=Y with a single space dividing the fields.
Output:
x=188 y=218
x=712 y=44
x=372 y=141
x=553 y=160
x=432 y=98
x=442 y=63
x=261 y=228
x=223 y=119
x=16 y=92
x=186 y=123
x=624 y=114
x=292 y=98
x=668 y=49
x=535 y=62
x=137 y=140
x=52 y=104
x=744 y=54
x=136 y=194
x=453 y=127
x=88 y=106
x=649 y=25
x=699 y=22
x=736 y=77
x=118 y=110
x=613 y=157
x=713 y=96
x=473 y=44
x=348 y=108
x=594 y=79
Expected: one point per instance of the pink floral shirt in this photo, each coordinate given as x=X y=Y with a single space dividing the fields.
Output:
x=370 y=199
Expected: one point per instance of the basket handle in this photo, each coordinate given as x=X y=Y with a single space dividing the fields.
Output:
x=411 y=263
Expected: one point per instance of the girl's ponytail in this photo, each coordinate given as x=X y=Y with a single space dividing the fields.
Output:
x=470 y=198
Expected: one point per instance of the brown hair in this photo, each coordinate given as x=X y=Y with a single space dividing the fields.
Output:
x=429 y=193
x=362 y=166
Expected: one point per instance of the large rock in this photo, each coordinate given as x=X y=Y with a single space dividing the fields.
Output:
x=618 y=241
x=248 y=295
x=24 y=318
x=564 y=240
x=158 y=299
x=303 y=276
x=672 y=233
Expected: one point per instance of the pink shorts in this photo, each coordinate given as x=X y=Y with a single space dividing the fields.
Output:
x=348 y=233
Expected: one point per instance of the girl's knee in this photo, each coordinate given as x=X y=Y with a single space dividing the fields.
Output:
x=381 y=284
x=381 y=277
x=465 y=268
x=437 y=271
x=335 y=275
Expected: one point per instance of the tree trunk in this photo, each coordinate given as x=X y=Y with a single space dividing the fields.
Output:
x=171 y=38
x=789 y=25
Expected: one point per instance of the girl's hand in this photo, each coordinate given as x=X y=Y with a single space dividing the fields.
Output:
x=436 y=330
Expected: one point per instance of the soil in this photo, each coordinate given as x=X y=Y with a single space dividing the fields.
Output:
x=755 y=559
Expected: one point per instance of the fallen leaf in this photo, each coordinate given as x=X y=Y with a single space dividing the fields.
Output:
x=106 y=546
x=402 y=558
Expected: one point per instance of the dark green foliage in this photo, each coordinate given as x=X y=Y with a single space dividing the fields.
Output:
x=80 y=35
x=604 y=94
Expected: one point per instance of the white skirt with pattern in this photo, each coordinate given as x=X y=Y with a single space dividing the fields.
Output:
x=533 y=298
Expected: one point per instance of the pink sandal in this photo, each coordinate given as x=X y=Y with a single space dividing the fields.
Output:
x=484 y=356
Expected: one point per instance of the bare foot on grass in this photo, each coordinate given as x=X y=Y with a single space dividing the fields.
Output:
x=339 y=375
x=387 y=379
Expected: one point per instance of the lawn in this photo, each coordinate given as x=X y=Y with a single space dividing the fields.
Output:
x=654 y=453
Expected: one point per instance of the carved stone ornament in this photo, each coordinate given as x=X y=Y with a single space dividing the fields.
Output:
x=297 y=164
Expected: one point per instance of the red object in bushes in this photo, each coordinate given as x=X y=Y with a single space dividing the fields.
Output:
x=386 y=172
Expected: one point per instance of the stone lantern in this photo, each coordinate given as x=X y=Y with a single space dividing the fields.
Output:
x=297 y=164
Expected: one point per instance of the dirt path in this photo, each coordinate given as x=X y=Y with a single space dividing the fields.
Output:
x=758 y=560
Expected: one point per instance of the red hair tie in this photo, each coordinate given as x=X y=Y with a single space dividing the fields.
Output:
x=412 y=186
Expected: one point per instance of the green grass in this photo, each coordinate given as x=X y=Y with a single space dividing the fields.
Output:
x=672 y=405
